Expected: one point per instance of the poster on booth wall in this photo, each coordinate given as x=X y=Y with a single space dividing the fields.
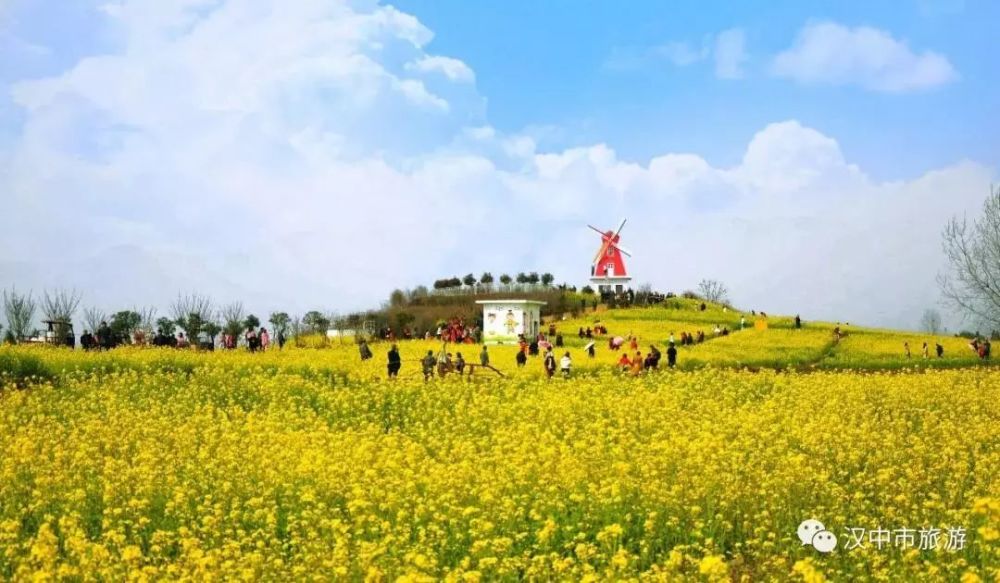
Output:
x=503 y=324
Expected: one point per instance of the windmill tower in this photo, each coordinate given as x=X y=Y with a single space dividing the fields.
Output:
x=607 y=271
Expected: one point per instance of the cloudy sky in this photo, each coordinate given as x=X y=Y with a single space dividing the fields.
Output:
x=319 y=153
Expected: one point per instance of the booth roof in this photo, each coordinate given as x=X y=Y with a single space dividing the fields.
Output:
x=531 y=302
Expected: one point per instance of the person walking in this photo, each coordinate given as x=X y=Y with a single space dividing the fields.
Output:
x=459 y=363
x=395 y=362
x=264 y=338
x=363 y=349
x=550 y=363
x=428 y=363
x=939 y=349
x=104 y=339
x=251 y=337
x=925 y=351
x=591 y=350
x=906 y=349
x=521 y=358
x=671 y=356
x=565 y=363
x=484 y=357
x=637 y=364
x=798 y=322
x=623 y=362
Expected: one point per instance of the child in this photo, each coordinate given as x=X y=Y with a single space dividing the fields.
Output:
x=565 y=363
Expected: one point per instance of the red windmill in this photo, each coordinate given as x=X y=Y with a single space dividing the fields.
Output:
x=608 y=269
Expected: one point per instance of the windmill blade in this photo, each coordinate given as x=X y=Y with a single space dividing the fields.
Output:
x=602 y=251
x=620 y=227
x=596 y=229
x=623 y=250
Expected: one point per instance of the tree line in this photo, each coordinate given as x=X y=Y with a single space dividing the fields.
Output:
x=486 y=281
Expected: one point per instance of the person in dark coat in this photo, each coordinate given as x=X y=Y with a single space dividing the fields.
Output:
x=671 y=356
x=550 y=363
x=365 y=351
x=484 y=357
x=521 y=358
x=459 y=362
x=395 y=363
x=428 y=363
x=104 y=336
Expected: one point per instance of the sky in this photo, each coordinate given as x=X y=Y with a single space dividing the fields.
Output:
x=320 y=153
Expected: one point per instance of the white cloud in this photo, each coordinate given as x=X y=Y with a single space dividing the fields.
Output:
x=681 y=54
x=833 y=54
x=730 y=54
x=283 y=157
x=453 y=69
x=726 y=48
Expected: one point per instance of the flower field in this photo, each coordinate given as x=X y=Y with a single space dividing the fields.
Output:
x=149 y=464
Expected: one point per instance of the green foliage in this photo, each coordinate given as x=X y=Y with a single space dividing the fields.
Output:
x=279 y=323
x=166 y=326
x=211 y=329
x=315 y=321
x=251 y=322
x=124 y=324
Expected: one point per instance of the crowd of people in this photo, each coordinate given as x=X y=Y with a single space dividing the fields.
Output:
x=105 y=339
x=455 y=330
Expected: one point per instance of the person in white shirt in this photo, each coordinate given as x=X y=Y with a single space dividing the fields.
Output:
x=565 y=363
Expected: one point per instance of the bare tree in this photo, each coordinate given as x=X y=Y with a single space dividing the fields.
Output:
x=232 y=319
x=60 y=305
x=931 y=321
x=20 y=312
x=147 y=320
x=191 y=312
x=59 y=308
x=92 y=318
x=972 y=282
x=712 y=290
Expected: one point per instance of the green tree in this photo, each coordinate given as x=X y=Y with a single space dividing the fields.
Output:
x=279 y=323
x=533 y=278
x=469 y=280
x=505 y=280
x=211 y=329
x=486 y=279
x=166 y=326
x=397 y=298
x=547 y=279
x=316 y=321
x=251 y=322
x=123 y=324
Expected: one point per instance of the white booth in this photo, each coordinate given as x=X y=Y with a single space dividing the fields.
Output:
x=505 y=320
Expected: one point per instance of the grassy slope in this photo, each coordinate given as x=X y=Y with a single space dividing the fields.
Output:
x=781 y=346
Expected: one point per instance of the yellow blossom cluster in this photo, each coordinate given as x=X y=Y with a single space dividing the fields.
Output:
x=309 y=464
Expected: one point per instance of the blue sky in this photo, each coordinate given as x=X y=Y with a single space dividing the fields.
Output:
x=805 y=153
x=542 y=63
